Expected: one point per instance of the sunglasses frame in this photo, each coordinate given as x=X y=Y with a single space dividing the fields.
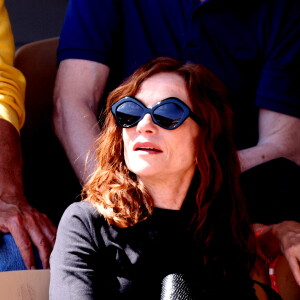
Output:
x=186 y=111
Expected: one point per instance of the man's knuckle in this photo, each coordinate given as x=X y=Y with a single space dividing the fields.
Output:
x=15 y=220
x=44 y=243
x=25 y=245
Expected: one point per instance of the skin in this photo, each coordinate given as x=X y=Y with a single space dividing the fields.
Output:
x=279 y=136
x=76 y=99
x=283 y=238
x=27 y=226
x=164 y=160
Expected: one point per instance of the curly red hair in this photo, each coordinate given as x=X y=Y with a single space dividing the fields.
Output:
x=124 y=201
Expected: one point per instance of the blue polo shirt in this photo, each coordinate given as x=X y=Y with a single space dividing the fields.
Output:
x=252 y=46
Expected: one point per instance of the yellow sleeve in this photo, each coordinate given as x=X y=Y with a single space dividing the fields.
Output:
x=12 y=81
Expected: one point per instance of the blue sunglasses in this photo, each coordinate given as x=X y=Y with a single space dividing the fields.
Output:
x=169 y=113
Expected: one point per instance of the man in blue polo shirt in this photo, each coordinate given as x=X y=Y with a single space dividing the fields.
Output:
x=252 y=46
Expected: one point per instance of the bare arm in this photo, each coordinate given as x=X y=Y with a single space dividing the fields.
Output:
x=78 y=90
x=25 y=223
x=17 y=217
x=279 y=136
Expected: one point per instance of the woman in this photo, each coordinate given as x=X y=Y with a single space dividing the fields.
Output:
x=164 y=198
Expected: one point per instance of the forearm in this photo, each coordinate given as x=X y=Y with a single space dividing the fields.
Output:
x=259 y=154
x=27 y=226
x=10 y=162
x=77 y=133
x=279 y=136
x=78 y=90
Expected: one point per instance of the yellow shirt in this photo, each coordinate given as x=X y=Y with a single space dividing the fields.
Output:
x=12 y=81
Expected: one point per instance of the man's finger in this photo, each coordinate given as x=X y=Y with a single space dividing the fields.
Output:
x=294 y=266
x=43 y=242
x=24 y=244
x=48 y=229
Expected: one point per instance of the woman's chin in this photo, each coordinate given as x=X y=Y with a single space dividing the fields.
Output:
x=146 y=171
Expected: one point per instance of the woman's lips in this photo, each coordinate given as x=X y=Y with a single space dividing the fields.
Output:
x=147 y=147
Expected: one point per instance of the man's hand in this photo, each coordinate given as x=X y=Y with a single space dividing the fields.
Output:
x=282 y=238
x=28 y=227
x=26 y=224
x=288 y=234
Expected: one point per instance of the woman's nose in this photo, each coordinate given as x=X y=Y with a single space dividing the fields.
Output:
x=146 y=125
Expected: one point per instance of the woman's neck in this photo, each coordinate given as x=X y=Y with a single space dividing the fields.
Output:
x=168 y=193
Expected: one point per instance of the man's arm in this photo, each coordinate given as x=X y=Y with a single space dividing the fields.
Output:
x=279 y=136
x=25 y=223
x=17 y=217
x=78 y=90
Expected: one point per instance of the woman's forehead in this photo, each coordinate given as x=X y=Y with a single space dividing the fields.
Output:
x=161 y=86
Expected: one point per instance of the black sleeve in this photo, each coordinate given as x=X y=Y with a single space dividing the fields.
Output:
x=77 y=256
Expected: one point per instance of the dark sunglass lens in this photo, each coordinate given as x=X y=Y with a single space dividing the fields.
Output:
x=128 y=113
x=168 y=115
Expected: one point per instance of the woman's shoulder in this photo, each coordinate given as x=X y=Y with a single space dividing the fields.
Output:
x=82 y=212
x=81 y=207
x=83 y=219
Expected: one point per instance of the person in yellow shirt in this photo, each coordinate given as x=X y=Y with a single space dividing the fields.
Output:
x=23 y=228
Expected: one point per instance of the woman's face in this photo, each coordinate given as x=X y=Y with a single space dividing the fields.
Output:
x=154 y=152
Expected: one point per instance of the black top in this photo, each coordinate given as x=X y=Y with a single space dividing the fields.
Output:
x=93 y=260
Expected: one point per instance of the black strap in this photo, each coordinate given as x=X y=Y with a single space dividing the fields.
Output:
x=272 y=295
